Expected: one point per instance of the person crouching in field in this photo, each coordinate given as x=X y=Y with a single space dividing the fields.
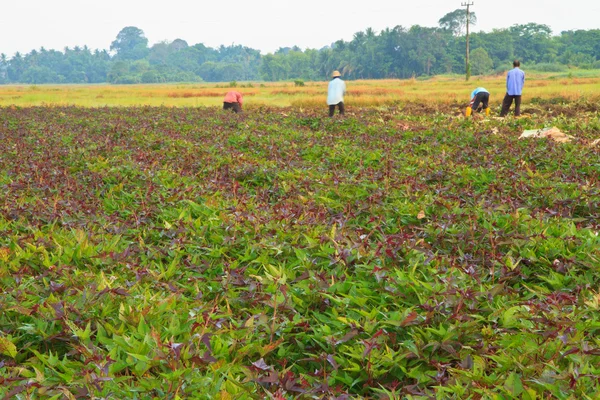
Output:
x=515 y=80
x=335 y=93
x=479 y=98
x=233 y=101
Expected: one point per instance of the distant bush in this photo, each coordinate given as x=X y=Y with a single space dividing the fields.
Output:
x=127 y=80
x=502 y=68
x=548 y=67
x=183 y=76
x=298 y=83
x=150 y=77
x=481 y=63
x=586 y=66
x=233 y=84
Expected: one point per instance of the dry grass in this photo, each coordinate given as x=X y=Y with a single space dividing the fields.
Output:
x=442 y=90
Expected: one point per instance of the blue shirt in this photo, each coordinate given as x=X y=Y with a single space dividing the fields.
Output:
x=477 y=91
x=335 y=93
x=515 y=80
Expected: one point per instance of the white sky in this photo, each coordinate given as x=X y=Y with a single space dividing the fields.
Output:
x=261 y=24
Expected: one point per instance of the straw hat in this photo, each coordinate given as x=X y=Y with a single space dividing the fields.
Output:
x=336 y=74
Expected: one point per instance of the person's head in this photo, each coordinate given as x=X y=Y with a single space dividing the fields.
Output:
x=516 y=63
x=336 y=74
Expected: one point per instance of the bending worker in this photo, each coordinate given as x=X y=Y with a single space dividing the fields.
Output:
x=479 y=97
x=233 y=101
x=335 y=93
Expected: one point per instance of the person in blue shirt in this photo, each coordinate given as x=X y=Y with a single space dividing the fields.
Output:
x=515 y=80
x=479 y=97
x=335 y=93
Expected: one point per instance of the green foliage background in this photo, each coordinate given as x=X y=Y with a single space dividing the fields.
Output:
x=397 y=52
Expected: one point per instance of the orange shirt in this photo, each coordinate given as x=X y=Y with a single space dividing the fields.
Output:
x=233 y=97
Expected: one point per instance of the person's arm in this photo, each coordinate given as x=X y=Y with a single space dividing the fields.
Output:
x=239 y=98
x=472 y=98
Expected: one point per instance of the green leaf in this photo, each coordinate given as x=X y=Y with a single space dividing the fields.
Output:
x=7 y=347
x=514 y=385
x=510 y=317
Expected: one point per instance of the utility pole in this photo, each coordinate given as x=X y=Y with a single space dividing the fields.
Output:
x=468 y=4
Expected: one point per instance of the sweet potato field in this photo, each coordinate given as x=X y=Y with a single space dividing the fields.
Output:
x=400 y=252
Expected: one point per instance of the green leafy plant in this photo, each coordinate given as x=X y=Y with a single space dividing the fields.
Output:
x=172 y=253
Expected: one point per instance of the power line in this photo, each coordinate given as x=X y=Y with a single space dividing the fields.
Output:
x=468 y=4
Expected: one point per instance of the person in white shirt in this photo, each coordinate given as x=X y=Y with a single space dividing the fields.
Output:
x=335 y=93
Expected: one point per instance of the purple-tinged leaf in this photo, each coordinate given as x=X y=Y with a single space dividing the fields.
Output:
x=260 y=364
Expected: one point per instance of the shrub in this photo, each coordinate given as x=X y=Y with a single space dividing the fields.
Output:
x=150 y=77
x=549 y=67
x=298 y=83
x=481 y=63
x=127 y=80
x=502 y=68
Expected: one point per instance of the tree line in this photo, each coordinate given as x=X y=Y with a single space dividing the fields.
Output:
x=392 y=53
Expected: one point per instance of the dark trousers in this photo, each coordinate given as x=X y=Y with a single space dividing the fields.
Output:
x=507 y=102
x=232 y=106
x=482 y=99
x=332 y=108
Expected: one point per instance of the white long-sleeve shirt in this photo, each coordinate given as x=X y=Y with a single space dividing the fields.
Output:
x=335 y=93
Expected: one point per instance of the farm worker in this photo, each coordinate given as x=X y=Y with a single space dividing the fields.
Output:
x=480 y=96
x=335 y=93
x=515 y=80
x=233 y=101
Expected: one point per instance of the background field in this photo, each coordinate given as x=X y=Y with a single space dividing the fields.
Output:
x=444 y=89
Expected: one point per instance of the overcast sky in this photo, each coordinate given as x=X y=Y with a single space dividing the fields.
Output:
x=261 y=24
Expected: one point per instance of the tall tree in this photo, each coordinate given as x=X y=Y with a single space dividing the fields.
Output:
x=130 y=44
x=533 y=43
x=3 y=68
x=456 y=21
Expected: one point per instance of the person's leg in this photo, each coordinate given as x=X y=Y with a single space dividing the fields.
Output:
x=485 y=100
x=331 y=110
x=506 y=103
x=476 y=102
x=341 y=106
x=486 y=103
x=237 y=108
x=227 y=106
x=517 y=105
